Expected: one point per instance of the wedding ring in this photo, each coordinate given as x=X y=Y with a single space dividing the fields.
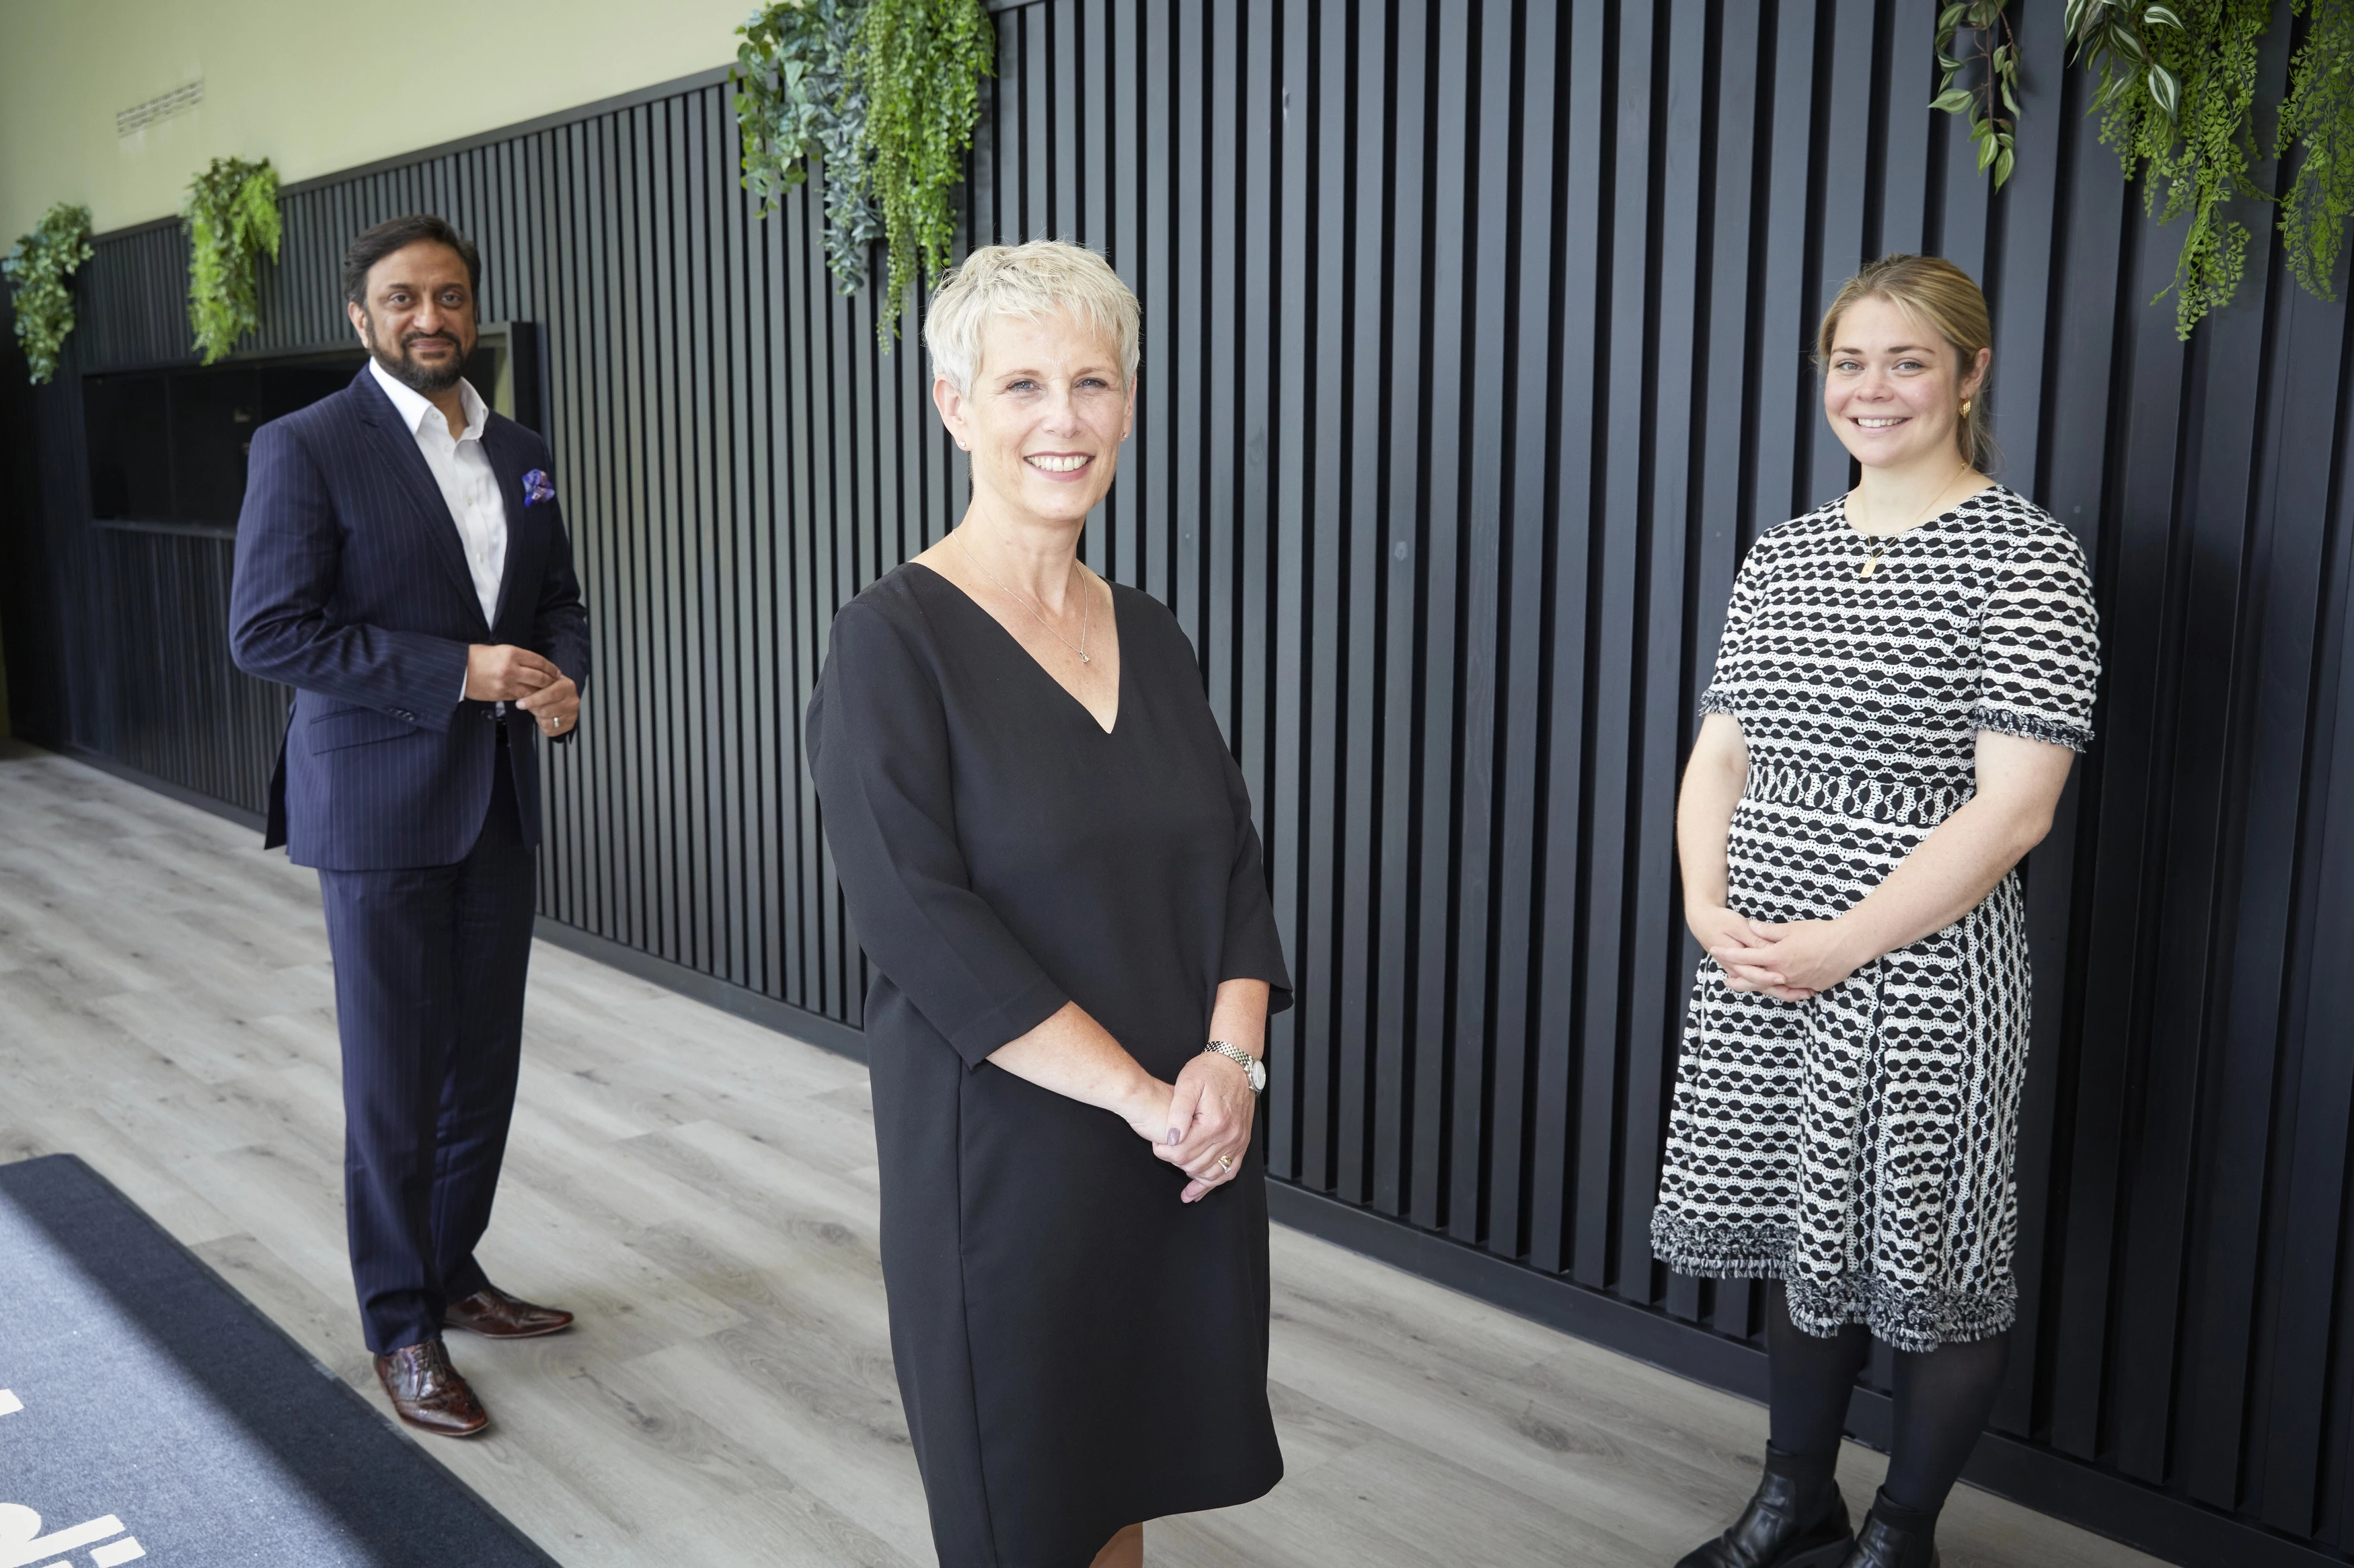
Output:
x=1225 y=1162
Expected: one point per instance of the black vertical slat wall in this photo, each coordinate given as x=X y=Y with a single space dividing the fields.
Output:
x=1474 y=359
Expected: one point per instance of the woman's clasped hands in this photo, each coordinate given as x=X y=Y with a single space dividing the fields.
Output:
x=1792 y=960
x=1202 y=1124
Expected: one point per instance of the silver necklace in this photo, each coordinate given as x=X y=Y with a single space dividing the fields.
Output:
x=1087 y=609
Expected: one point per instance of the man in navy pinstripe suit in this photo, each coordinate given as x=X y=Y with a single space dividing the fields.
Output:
x=402 y=563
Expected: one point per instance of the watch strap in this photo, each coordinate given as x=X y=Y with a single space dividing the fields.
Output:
x=1253 y=1068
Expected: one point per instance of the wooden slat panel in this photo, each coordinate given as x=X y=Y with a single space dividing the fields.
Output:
x=1559 y=1209
x=1290 y=669
x=1446 y=826
x=1526 y=508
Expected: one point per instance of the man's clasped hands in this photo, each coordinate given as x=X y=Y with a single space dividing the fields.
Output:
x=502 y=672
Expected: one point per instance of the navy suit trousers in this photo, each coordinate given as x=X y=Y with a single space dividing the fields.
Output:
x=430 y=967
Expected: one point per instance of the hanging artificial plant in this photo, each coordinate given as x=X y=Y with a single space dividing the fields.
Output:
x=2177 y=101
x=2319 y=117
x=37 y=271
x=2115 y=37
x=922 y=61
x=1996 y=78
x=887 y=92
x=232 y=221
x=799 y=96
x=2177 y=98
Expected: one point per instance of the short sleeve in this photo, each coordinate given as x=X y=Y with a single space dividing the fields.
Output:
x=879 y=753
x=1748 y=592
x=2040 y=646
x=1253 y=949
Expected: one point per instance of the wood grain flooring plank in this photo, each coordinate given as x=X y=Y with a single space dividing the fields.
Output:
x=834 y=1427
x=210 y=1046
x=141 y=1166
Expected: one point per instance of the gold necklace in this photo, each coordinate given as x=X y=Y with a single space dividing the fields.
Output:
x=1872 y=562
x=1086 y=607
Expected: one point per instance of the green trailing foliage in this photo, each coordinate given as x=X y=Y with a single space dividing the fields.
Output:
x=922 y=61
x=2180 y=114
x=2176 y=100
x=1987 y=100
x=887 y=94
x=37 y=271
x=2317 y=120
x=2115 y=39
x=232 y=222
x=799 y=96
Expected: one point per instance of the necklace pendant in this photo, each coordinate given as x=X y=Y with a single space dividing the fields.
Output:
x=1868 y=568
x=1085 y=659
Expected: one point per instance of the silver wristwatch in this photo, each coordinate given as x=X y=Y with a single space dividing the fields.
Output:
x=1242 y=1059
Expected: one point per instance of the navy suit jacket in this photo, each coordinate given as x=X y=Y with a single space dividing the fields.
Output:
x=352 y=587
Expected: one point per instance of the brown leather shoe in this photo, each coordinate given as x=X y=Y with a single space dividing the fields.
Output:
x=427 y=1392
x=495 y=1315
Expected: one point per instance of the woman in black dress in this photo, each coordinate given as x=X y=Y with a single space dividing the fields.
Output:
x=1048 y=853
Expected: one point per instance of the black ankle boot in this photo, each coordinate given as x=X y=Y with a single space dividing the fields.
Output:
x=1894 y=1536
x=1783 y=1527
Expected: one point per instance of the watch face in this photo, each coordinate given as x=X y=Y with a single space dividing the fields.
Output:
x=1258 y=1077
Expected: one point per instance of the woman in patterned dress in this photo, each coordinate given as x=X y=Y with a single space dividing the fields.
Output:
x=1905 y=677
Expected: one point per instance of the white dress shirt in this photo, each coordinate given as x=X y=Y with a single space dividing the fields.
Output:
x=462 y=469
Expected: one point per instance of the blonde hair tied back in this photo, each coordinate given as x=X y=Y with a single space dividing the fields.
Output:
x=1945 y=300
x=1033 y=281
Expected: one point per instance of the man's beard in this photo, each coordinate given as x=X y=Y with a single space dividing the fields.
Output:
x=423 y=379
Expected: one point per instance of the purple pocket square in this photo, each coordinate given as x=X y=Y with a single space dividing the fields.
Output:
x=538 y=487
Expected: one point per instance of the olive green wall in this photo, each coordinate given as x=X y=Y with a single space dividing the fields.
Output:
x=315 y=86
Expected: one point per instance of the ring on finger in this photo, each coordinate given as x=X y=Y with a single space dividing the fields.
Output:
x=1226 y=1163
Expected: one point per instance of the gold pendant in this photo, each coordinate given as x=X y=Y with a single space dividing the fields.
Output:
x=1869 y=567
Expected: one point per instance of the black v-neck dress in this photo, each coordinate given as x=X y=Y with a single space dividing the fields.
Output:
x=1076 y=1349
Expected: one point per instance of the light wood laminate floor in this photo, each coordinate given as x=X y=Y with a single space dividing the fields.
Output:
x=702 y=1193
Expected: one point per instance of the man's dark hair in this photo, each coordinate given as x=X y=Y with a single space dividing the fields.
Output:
x=386 y=237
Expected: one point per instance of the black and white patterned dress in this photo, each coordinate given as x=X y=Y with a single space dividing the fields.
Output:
x=1859 y=1146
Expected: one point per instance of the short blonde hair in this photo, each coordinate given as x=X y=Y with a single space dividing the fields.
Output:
x=1945 y=300
x=1031 y=281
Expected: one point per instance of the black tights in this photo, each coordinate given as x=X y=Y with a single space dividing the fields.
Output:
x=1943 y=1399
